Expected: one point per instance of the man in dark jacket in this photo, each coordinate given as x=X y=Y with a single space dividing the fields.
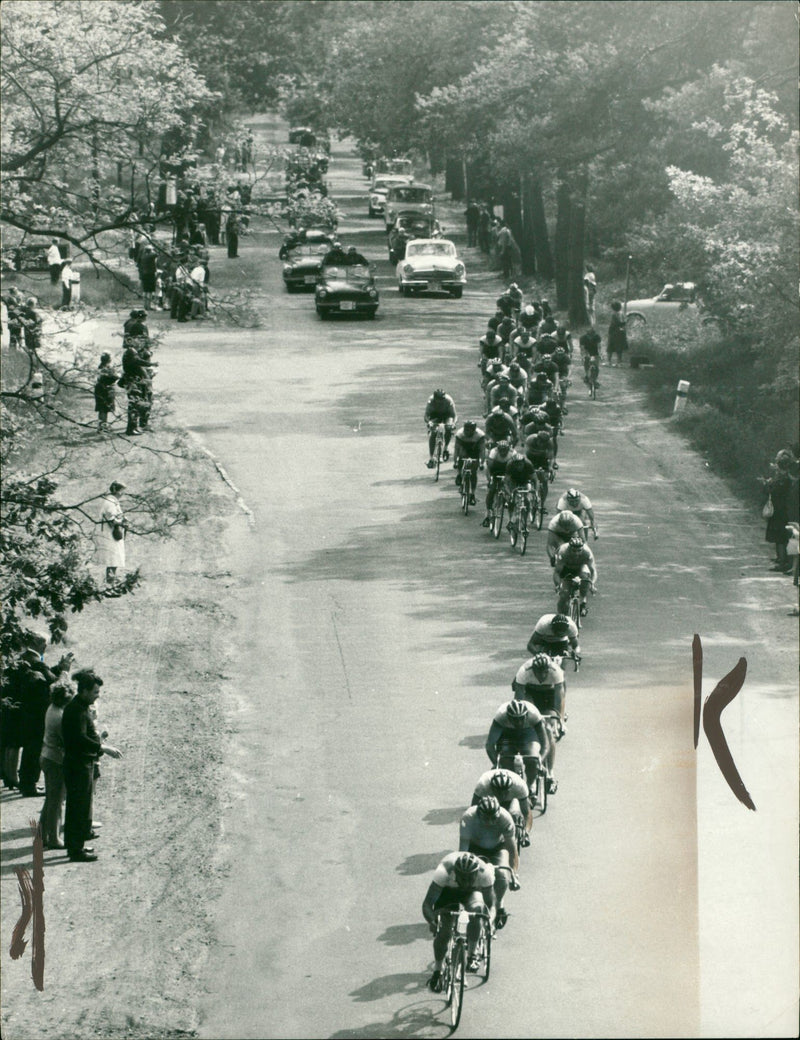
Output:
x=82 y=750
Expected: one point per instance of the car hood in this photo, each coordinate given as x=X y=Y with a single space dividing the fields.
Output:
x=346 y=284
x=431 y=263
x=305 y=263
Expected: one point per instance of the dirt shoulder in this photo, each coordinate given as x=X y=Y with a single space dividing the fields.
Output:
x=127 y=936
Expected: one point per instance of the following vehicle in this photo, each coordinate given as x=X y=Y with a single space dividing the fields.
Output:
x=304 y=263
x=418 y=197
x=345 y=286
x=410 y=224
x=379 y=190
x=680 y=296
x=431 y=264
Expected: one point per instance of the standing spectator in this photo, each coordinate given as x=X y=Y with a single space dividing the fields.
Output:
x=148 y=267
x=104 y=391
x=14 y=306
x=472 y=214
x=112 y=531
x=34 y=681
x=589 y=292
x=225 y=211
x=82 y=750
x=54 y=261
x=66 y=284
x=32 y=326
x=484 y=226
x=52 y=763
x=232 y=235
x=219 y=155
x=617 y=334
x=779 y=487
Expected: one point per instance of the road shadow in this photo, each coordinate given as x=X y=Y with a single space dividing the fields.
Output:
x=422 y=862
x=415 y=1020
x=476 y=742
x=440 y=817
x=387 y=985
x=403 y=934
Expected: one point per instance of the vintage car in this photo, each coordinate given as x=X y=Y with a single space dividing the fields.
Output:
x=304 y=262
x=306 y=235
x=406 y=197
x=431 y=264
x=29 y=257
x=680 y=296
x=302 y=135
x=379 y=189
x=410 y=224
x=346 y=285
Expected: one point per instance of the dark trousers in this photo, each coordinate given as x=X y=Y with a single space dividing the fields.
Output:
x=79 y=784
x=29 y=767
x=55 y=273
x=233 y=244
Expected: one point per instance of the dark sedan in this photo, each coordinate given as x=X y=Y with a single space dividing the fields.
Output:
x=346 y=286
x=303 y=265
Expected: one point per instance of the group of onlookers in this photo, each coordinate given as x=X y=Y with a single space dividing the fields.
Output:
x=781 y=510
x=138 y=372
x=49 y=730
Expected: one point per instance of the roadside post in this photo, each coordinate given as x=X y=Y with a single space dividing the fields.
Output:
x=680 y=396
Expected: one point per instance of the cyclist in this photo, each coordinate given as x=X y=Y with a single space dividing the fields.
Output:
x=500 y=425
x=539 y=388
x=440 y=408
x=590 y=350
x=562 y=361
x=511 y=791
x=505 y=303
x=563 y=339
x=491 y=347
x=539 y=449
x=556 y=635
x=519 y=473
x=540 y=681
x=486 y=830
x=518 y=727
x=523 y=346
x=560 y=529
x=470 y=443
x=574 y=560
x=501 y=391
x=549 y=366
x=515 y=293
x=494 y=369
x=461 y=881
x=499 y=458
x=518 y=378
x=579 y=504
x=530 y=316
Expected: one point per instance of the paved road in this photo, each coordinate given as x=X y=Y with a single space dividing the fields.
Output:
x=379 y=631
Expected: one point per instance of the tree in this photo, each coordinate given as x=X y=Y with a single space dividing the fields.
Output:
x=87 y=89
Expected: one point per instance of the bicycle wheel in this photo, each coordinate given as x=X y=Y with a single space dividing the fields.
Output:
x=459 y=975
x=497 y=524
x=486 y=949
x=465 y=495
x=575 y=610
x=523 y=533
x=539 y=512
x=438 y=460
x=541 y=792
x=513 y=531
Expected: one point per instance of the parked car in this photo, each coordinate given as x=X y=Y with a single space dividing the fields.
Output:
x=410 y=224
x=673 y=298
x=29 y=257
x=431 y=264
x=304 y=263
x=379 y=190
x=407 y=196
x=302 y=135
x=346 y=285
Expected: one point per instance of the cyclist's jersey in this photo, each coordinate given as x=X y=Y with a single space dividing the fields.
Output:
x=552 y=410
x=565 y=524
x=526 y=677
x=538 y=390
x=544 y=635
x=564 y=503
x=539 y=454
x=501 y=390
x=518 y=788
x=590 y=343
x=568 y=565
x=564 y=344
x=520 y=471
x=561 y=358
x=549 y=367
x=496 y=466
x=440 y=408
x=530 y=319
x=545 y=344
x=500 y=425
x=524 y=345
x=487 y=834
x=518 y=379
x=505 y=328
x=490 y=348
x=470 y=447
x=444 y=875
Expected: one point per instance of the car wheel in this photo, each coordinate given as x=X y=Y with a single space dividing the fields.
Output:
x=457 y=293
x=372 y=212
x=635 y=320
x=323 y=314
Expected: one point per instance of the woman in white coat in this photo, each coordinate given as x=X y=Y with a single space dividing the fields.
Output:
x=112 y=531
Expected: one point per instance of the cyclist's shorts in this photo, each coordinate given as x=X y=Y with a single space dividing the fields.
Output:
x=454 y=898
x=544 y=698
x=497 y=856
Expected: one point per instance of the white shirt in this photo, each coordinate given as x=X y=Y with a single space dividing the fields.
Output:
x=53 y=255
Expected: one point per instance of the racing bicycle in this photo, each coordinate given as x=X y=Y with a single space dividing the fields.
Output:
x=454 y=965
x=438 y=446
x=469 y=483
x=523 y=512
x=497 y=511
x=532 y=770
x=592 y=373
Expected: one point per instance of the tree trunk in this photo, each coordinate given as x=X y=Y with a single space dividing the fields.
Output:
x=563 y=207
x=576 y=299
x=534 y=206
x=454 y=178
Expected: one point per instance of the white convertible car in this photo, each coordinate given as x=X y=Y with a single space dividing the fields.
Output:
x=431 y=264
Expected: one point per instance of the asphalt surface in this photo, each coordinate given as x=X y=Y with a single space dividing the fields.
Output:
x=379 y=631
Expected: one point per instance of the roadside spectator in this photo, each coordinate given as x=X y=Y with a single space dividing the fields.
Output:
x=232 y=235
x=66 y=285
x=617 y=334
x=82 y=751
x=32 y=325
x=148 y=266
x=52 y=763
x=112 y=531
x=778 y=488
x=34 y=680
x=54 y=261
x=105 y=391
x=219 y=155
x=472 y=215
x=589 y=292
x=14 y=306
x=484 y=227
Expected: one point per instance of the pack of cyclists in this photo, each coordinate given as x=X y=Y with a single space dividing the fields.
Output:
x=524 y=361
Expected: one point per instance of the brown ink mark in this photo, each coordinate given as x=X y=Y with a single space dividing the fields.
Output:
x=31 y=892
x=719 y=699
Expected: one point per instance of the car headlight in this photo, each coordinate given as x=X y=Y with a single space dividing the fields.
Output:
x=375 y=200
x=322 y=292
x=460 y=270
x=287 y=268
x=408 y=270
x=373 y=293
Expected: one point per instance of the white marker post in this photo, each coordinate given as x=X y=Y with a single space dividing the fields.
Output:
x=680 y=396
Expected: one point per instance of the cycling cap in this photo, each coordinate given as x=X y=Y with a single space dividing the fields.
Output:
x=466 y=866
x=542 y=436
x=516 y=711
x=540 y=663
x=501 y=782
x=576 y=542
x=438 y=393
x=561 y=329
x=470 y=426
x=529 y=310
x=488 y=807
x=503 y=446
x=573 y=495
x=514 y=367
x=560 y=623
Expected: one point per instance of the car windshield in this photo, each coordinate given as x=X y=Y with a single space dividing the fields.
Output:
x=341 y=271
x=310 y=249
x=411 y=194
x=431 y=249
